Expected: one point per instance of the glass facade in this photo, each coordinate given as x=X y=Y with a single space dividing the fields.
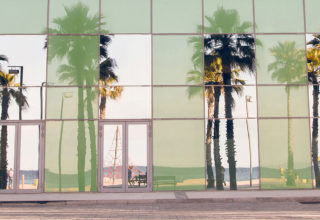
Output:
x=159 y=95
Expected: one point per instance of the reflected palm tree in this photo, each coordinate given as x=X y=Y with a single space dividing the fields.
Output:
x=7 y=94
x=288 y=68
x=313 y=54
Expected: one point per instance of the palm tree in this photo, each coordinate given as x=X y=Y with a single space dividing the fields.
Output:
x=313 y=54
x=7 y=94
x=288 y=67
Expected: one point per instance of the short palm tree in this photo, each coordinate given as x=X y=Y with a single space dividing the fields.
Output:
x=288 y=68
x=7 y=93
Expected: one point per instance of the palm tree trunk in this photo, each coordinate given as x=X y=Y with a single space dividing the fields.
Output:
x=315 y=133
x=81 y=142
x=4 y=140
x=92 y=134
x=209 y=140
x=230 y=130
x=290 y=173
x=102 y=107
x=216 y=138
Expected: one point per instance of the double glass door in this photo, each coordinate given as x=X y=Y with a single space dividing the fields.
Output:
x=20 y=150
x=125 y=156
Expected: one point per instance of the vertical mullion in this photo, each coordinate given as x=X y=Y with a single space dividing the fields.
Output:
x=17 y=157
x=124 y=156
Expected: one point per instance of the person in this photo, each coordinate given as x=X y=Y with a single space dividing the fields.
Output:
x=222 y=175
x=10 y=176
x=130 y=175
x=282 y=173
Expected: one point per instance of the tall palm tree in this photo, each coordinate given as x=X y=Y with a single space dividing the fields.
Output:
x=288 y=67
x=7 y=93
x=313 y=54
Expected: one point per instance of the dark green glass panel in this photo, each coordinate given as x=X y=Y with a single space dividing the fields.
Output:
x=285 y=161
x=71 y=156
x=73 y=60
x=178 y=155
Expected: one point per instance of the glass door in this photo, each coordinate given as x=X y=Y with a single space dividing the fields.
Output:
x=125 y=157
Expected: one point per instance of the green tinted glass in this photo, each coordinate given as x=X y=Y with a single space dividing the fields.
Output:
x=177 y=60
x=282 y=101
x=21 y=16
x=125 y=16
x=71 y=156
x=312 y=14
x=281 y=59
x=285 y=153
x=73 y=60
x=228 y=16
x=74 y=16
x=178 y=155
x=72 y=103
x=178 y=102
x=177 y=16
x=275 y=16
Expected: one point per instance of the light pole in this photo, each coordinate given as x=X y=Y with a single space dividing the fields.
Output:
x=64 y=95
x=13 y=70
x=249 y=99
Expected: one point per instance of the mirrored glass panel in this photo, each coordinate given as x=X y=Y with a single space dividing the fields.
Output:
x=170 y=17
x=281 y=59
x=29 y=157
x=137 y=155
x=178 y=102
x=285 y=154
x=312 y=12
x=7 y=153
x=178 y=155
x=125 y=60
x=17 y=19
x=283 y=101
x=73 y=60
x=119 y=102
x=71 y=156
x=112 y=156
x=232 y=154
x=313 y=57
x=177 y=60
x=228 y=16
x=74 y=16
x=274 y=16
x=315 y=156
x=26 y=59
x=125 y=16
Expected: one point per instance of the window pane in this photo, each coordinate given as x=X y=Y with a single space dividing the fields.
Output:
x=274 y=16
x=73 y=60
x=125 y=16
x=17 y=19
x=72 y=103
x=315 y=156
x=71 y=156
x=283 y=101
x=125 y=102
x=128 y=58
x=178 y=155
x=174 y=60
x=7 y=136
x=29 y=157
x=137 y=155
x=27 y=52
x=230 y=16
x=112 y=156
x=74 y=16
x=285 y=153
x=312 y=13
x=178 y=102
x=176 y=16
x=244 y=102
x=281 y=59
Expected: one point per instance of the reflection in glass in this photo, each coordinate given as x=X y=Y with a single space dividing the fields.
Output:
x=137 y=155
x=7 y=152
x=178 y=155
x=112 y=156
x=285 y=153
x=228 y=16
x=281 y=59
x=29 y=157
x=312 y=13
